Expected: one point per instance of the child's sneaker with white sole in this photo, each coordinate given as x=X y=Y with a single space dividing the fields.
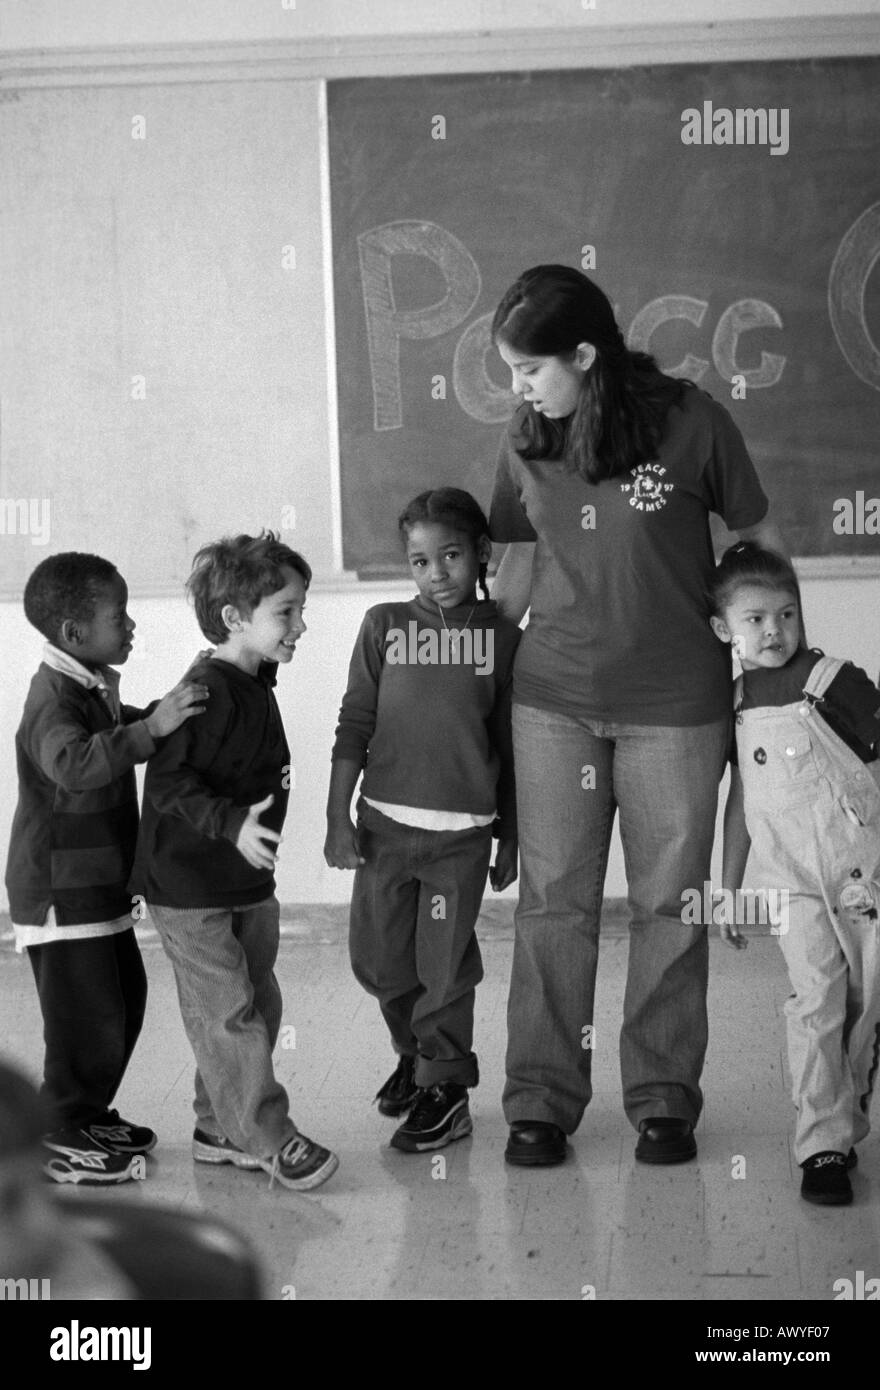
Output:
x=439 y=1116
x=300 y=1164
x=216 y=1148
x=121 y=1135
x=73 y=1156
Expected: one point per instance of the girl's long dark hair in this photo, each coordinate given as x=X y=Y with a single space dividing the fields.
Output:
x=448 y=506
x=620 y=417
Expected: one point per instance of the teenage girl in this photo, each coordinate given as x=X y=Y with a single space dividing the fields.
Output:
x=805 y=797
x=426 y=717
x=607 y=476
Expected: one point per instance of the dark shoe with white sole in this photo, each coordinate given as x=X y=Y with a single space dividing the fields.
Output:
x=439 y=1115
x=400 y=1090
x=216 y=1148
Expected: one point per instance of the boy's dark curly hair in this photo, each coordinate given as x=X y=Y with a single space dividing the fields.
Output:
x=66 y=586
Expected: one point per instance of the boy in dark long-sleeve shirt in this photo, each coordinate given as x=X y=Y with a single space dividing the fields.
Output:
x=70 y=854
x=214 y=802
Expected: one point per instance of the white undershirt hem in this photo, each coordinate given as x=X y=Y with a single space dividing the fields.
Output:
x=423 y=819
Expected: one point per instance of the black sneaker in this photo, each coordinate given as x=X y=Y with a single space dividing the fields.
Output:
x=440 y=1115
x=300 y=1164
x=400 y=1090
x=826 y=1181
x=119 y=1135
x=216 y=1148
x=74 y=1156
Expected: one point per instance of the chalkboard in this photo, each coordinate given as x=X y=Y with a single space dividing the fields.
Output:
x=742 y=261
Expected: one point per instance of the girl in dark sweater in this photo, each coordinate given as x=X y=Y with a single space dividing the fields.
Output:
x=426 y=717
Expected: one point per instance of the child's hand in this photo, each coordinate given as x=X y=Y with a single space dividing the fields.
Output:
x=732 y=936
x=341 y=849
x=252 y=837
x=503 y=871
x=179 y=704
x=729 y=931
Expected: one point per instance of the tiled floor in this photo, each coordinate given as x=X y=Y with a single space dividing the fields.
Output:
x=462 y=1225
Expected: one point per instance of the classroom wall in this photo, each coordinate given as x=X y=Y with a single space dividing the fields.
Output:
x=48 y=24
x=841 y=613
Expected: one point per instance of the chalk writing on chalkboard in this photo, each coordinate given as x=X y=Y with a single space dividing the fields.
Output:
x=476 y=392
x=855 y=259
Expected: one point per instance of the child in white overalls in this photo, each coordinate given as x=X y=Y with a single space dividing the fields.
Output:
x=805 y=798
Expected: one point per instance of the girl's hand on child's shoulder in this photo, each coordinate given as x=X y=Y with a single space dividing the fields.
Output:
x=503 y=871
x=341 y=849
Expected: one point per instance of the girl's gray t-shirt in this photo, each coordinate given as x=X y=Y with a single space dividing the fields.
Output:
x=619 y=623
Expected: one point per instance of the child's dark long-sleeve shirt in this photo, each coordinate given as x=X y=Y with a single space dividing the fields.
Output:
x=198 y=788
x=431 y=724
x=75 y=826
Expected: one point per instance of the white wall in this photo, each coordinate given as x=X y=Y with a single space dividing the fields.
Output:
x=841 y=613
x=45 y=24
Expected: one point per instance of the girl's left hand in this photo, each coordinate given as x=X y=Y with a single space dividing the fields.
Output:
x=503 y=871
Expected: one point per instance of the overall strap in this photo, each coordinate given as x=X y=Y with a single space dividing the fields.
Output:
x=737 y=694
x=821 y=676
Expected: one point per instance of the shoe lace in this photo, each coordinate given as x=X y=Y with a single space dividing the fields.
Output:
x=289 y=1152
x=426 y=1097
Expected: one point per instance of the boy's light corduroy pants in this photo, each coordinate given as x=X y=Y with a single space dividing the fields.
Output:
x=223 y=961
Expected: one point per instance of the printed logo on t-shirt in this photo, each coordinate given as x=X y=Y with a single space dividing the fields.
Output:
x=648 y=493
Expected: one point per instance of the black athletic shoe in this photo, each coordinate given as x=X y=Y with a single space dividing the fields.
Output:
x=400 y=1090
x=72 y=1155
x=440 y=1115
x=826 y=1181
x=216 y=1148
x=300 y=1164
x=121 y=1136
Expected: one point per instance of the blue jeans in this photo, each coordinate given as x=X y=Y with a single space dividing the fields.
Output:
x=223 y=960
x=664 y=783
